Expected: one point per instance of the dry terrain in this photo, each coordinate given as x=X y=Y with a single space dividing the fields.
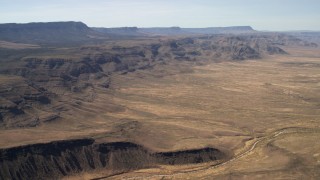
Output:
x=268 y=106
x=253 y=115
x=266 y=112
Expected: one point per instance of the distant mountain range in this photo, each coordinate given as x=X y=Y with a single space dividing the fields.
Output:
x=312 y=36
x=135 y=31
x=57 y=32
x=64 y=33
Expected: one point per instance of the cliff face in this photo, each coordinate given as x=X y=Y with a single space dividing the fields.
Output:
x=57 y=159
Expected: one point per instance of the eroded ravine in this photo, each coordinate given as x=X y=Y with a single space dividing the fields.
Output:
x=61 y=158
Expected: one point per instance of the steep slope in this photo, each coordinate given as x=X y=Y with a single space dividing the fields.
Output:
x=60 y=158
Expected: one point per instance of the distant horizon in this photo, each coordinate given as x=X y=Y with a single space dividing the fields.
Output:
x=301 y=30
x=271 y=15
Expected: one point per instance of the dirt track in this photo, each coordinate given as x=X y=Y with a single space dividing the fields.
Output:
x=266 y=138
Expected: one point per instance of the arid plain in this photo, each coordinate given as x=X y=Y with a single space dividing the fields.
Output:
x=243 y=106
x=264 y=112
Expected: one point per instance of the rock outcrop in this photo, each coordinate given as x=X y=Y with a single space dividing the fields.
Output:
x=60 y=158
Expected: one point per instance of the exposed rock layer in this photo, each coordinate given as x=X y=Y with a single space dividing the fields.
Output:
x=57 y=159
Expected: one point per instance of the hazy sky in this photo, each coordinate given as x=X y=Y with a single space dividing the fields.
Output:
x=260 y=14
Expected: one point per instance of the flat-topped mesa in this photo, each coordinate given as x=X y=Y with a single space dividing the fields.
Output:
x=46 y=33
x=38 y=26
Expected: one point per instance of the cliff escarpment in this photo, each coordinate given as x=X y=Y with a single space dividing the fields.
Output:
x=61 y=158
